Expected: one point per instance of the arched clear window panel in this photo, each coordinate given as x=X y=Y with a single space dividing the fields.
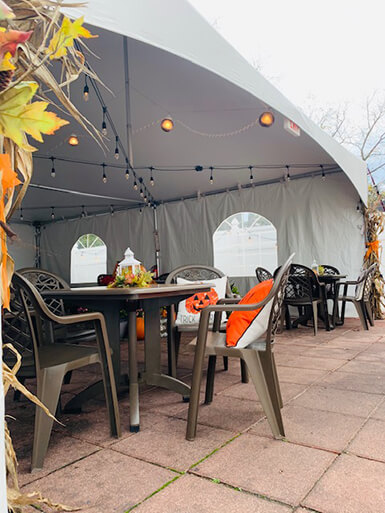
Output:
x=88 y=259
x=244 y=241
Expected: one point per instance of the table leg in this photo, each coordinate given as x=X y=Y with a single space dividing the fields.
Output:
x=133 y=373
x=153 y=374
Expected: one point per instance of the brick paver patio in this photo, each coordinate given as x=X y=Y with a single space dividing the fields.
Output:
x=332 y=460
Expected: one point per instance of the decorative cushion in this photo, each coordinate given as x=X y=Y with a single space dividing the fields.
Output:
x=246 y=327
x=189 y=309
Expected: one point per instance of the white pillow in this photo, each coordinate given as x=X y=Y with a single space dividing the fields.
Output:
x=189 y=309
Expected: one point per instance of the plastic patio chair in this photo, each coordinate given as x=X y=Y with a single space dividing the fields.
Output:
x=46 y=280
x=361 y=298
x=258 y=356
x=263 y=274
x=195 y=272
x=52 y=361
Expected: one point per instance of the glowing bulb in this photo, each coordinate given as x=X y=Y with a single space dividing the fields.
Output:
x=127 y=174
x=141 y=192
x=52 y=213
x=152 y=181
x=135 y=186
x=211 y=180
x=21 y=215
x=86 y=92
x=104 y=128
x=167 y=124
x=73 y=140
x=104 y=178
x=266 y=119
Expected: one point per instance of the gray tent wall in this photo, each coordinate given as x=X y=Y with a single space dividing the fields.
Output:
x=23 y=249
x=314 y=218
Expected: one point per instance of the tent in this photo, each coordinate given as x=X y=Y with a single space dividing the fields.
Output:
x=159 y=60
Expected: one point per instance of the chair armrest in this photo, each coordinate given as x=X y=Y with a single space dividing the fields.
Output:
x=76 y=318
x=229 y=300
x=356 y=282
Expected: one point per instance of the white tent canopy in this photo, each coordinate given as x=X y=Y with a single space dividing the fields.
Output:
x=180 y=67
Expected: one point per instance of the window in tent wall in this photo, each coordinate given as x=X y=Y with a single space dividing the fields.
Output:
x=88 y=259
x=244 y=241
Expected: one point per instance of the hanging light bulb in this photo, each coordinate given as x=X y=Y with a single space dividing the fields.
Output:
x=152 y=182
x=21 y=215
x=112 y=209
x=266 y=119
x=140 y=210
x=116 y=147
x=53 y=171
x=141 y=192
x=145 y=199
x=73 y=140
x=52 y=213
x=135 y=185
x=127 y=175
x=104 y=176
x=86 y=90
x=83 y=214
x=323 y=173
x=167 y=124
x=287 y=174
x=251 y=174
x=104 y=124
x=211 y=175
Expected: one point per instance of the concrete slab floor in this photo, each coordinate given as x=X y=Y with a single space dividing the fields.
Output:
x=332 y=460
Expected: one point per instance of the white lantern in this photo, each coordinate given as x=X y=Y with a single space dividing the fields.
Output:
x=129 y=264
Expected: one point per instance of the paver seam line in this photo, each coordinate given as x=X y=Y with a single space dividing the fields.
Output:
x=336 y=459
x=144 y=460
x=241 y=490
x=168 y=483
x=60 y=468
x=368 y=458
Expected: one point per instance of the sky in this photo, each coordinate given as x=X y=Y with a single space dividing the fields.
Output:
x=331 y=50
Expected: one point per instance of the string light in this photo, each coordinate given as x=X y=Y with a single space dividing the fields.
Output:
x=86 y=90
x=116 y=147
x=145 y=199
x=104 y=176
x=251 y=174
x=211 y=175
x=83 y=214
x=73 y=140
x=323 y=172
x=112 y=209
x=53 y=172
x=21 y=215
x=287 y=174
x=104 y=124
x=141 y=192
x=152 y=182
x=52 y=213
x=167 y=124
x=266 y=119
x=140 y=210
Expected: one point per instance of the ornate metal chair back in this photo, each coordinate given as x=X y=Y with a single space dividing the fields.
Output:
x=263 y=274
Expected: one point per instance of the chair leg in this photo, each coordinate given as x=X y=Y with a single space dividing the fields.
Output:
x=287 y=318
x=277 y=385
x=108 y=383
x=361 y=314
x=171 y=352
x=49 y=384
x=343 y=306
x=273 y=415
x=369 y=312
x=244 y=373
x=210 y=379
x=225 y=363
x=315 y=317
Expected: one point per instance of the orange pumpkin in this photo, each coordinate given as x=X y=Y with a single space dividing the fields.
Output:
x=196 y=303
x=140 y=328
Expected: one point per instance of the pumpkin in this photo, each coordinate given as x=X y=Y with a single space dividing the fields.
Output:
x=140 y=328
x=196 y=303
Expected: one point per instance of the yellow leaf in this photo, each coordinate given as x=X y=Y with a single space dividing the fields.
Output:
x=6 y=63
x=65 y=36
x=18 y=116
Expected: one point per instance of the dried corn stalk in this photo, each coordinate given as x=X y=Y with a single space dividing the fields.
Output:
x=374 y=225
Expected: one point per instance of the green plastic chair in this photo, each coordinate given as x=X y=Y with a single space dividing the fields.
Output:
x=53 y=361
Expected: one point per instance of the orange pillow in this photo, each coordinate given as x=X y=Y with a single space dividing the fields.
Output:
x=245 y=327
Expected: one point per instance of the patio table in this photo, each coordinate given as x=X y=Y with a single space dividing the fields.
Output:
x=109 y=301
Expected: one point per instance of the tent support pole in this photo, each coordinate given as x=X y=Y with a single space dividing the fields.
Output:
x=156 y=241
x=37 y=227
x=128 y=103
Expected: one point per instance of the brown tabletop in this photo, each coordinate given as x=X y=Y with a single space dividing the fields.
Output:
x=109 y=301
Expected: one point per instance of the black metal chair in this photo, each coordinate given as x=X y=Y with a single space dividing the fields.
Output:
x=361 y=298
x=304 y=291
x=263 y=274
